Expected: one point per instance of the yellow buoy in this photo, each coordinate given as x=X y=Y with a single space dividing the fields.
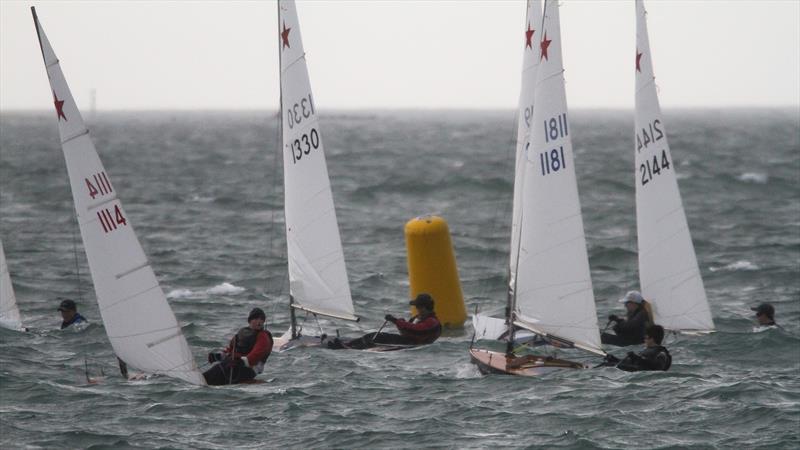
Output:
x=432 y=268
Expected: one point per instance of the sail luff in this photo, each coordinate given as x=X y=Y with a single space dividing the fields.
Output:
x=317 y=272
x=668 y=271
x=138 y=320
x=554 y=286
x=530 y=64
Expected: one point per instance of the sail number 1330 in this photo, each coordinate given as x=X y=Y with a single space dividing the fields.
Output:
x=304 y=144
x=301 y=110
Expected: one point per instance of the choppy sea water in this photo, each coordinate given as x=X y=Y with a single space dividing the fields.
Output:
x=204 y=193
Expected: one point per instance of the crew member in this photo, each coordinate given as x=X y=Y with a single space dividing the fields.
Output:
x=629 y=330
x=69 y=314
x=653 y=357
x=245 y=355
x=765 y=315
x=424 y=328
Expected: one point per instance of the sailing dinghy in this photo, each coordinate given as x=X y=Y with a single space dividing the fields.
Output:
x=551 y=286
x=318 y=281
x=668 y=272
x=138 y=320
x=9 y=312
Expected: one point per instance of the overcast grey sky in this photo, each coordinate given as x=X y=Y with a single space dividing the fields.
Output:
x=396 y=54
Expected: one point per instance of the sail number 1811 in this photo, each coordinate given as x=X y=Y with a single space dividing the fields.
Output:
x=553 y=160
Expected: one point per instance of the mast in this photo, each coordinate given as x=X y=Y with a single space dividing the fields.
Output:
x=292 y=316
x=530 y=65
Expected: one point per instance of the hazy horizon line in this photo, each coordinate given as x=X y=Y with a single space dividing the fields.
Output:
x=397 y=109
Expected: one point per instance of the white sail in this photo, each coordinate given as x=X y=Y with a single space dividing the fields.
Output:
x=317 y=274
x=486 y=327
x=554 y=286
x=668 y=272
x=9 y=313
x=530 y=64
x=138 y=320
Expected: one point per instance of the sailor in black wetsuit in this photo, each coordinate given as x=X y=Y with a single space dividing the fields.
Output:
x=653 y=357
x=629 y=330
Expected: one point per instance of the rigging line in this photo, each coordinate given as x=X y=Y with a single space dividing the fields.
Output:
x=75 y=255
x=276 y=163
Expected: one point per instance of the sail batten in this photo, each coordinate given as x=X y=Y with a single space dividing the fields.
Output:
x=133 y=307
x=669 y=275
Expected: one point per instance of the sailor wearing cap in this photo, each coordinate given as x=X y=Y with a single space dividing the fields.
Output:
x=424 y=328
x=69 y=314
x=765 y=315
x=245 y=355
x=629 y=330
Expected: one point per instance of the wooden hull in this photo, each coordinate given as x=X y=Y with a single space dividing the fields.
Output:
x=525 y=366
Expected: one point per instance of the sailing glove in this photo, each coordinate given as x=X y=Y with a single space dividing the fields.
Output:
x=390 y=318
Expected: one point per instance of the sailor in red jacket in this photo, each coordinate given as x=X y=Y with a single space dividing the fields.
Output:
x=245 y=355
x=422 y=329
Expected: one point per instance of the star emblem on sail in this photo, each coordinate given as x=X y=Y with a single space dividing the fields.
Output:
x=638 y=61
x=544 y=46
x=528 y=35
x=59 y=107
x=285 y=36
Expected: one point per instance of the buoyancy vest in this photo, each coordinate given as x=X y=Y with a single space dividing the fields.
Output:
x=424 y=335
x=246 y=340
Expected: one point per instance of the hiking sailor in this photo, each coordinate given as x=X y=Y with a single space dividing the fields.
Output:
x=653 y=357
x=69 y=314
x=424 y=328
x=630 y=329
x=765 y=315
x=245 y=355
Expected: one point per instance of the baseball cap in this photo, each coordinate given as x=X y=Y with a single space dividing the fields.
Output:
x=633 y=297
x=424 y=300
x=67 y=305
x=766 y=309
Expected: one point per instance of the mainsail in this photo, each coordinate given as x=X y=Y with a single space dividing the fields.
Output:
x=530 y=65
x=317 y=274
x=9 y=313
x=668 y=272
x=486 y=327
x=138 y=320
x=554 y=287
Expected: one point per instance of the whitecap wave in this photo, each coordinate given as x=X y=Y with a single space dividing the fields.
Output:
x=738 y=265
x=225 y=288
x=180 y=293
x=753 y=177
